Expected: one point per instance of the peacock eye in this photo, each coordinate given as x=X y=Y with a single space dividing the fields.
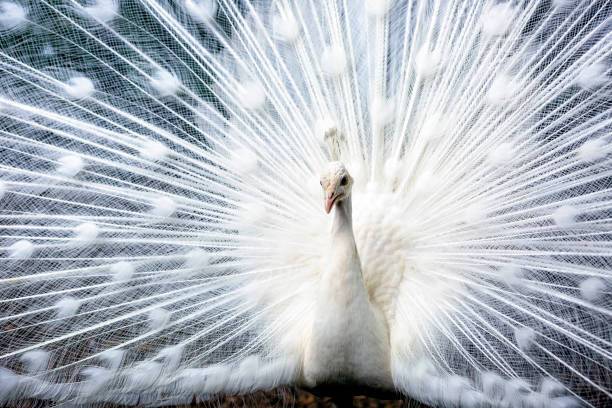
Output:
x=344 y=181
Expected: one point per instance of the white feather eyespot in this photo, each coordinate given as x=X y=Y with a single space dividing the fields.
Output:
x=163 y=207
x=95 y=379
x=518 y=386
x=154 y=150
x=79 y=87
x=427 y=61
x=593 y=76
x=251 y=95
x=22 y=249
x=86 y=233
x=70 y=165
x=502 y=89
x=455 y=386
x=565 y=216
x=171 y=357
x=593 y=150
x=524 y=337
x=122 y=271
x=497 y=20
x=502 y=155
x=3 y=189
x=382 y=111
x=197 y=258
x=67 y=307
x=377 y=8
x=551 y=387
x=471 y=398
x=9 y=383
x=102 y=10
x=491 y=383
x=143 y=375
x=286 y=27
x=244 y=161
x=35 y=361
x=217 y=376
x=434 y=126
x=592 y=289
x=334 y=60
x=113 y=357
x=164 y=82
x=203 y=11
x=512 y=275
x=12 y=15
x=158 y=319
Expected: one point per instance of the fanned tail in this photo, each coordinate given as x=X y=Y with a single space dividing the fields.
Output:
x=160 y=219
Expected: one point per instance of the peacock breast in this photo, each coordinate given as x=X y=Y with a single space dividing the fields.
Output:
x=382 y=238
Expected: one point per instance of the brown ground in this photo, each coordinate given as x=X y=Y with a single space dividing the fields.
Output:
x=279 y=398
x=302 y=399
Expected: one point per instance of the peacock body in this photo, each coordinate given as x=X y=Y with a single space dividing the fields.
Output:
x=165 y=167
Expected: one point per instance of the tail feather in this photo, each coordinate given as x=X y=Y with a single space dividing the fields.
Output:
x=160 y=226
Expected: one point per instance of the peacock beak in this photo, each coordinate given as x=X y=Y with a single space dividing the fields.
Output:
x=330 y=199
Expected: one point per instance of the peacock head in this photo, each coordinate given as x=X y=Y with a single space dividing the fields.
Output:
x=336 y=182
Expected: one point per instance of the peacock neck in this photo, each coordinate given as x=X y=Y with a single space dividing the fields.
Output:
x=343 y=274
x=342 y=226
x=347 y=268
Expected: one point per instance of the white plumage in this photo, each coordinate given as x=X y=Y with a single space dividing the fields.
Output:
x=165 y=169
x=21 y=249
x=67 y=307
x=12 y=15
